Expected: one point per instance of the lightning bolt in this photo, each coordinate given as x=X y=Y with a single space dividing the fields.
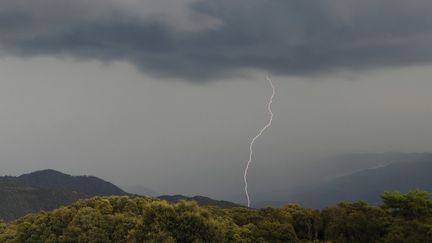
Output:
x=256 y=137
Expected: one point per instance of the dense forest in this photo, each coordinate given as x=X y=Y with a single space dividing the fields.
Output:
x=400 y=218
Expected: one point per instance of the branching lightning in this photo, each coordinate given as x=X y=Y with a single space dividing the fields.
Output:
x=256 y=137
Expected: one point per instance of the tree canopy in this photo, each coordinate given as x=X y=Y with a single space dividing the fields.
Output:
x=400 y=218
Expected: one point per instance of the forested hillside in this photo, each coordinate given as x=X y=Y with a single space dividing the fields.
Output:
x=47 y=190
x=51 y=179
x=18 y=200
x=202 y=201
x=400 y=218
x=50 y=189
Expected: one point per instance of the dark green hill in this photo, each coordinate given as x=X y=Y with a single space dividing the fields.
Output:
x=51 y=179
x=47 y=190
x=18 y=200
x=50 y=189
x=202 y=201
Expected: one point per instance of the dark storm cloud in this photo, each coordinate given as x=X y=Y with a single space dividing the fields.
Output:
x=279 y=36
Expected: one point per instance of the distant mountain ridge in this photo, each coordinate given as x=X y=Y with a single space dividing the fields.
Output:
x=52 y=179
x=50 y=189
x=201 y=200
x=47 y=190
x=385 y=172
x=368 y=184
x=140 y=190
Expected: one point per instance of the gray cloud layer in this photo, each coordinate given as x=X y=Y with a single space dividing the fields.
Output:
x=200 y=40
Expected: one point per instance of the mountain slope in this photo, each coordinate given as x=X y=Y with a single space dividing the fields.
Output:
x=18 y=200
x=202 y=201
x=46 y=190
x=140 y=190
x=51 y=179
x=50 y=189
x=368 y=184
x=384 y=172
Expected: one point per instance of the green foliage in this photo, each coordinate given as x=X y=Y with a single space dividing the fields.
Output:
x=2 y=226
x=307 y=223
x=412 y=216
x=354 y=222
x=412 y=205
x=402 y=218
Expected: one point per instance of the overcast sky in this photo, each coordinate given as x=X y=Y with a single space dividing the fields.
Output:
x=167 y=93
